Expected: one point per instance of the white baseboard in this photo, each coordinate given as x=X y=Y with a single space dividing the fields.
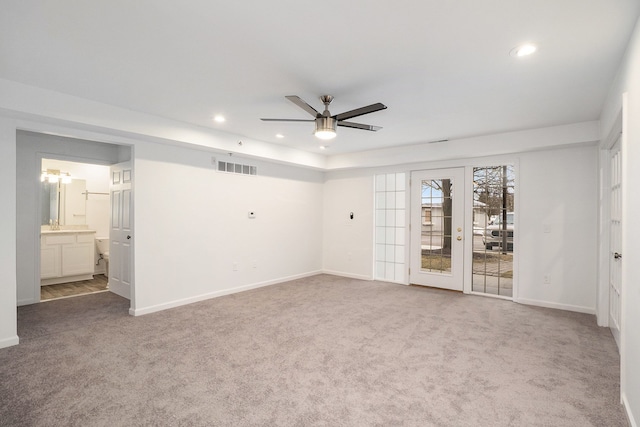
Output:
x=547 y=304
x=21 y=302
x=8 y=342
x=223 y=292
x=349 y=275
x=627 y=410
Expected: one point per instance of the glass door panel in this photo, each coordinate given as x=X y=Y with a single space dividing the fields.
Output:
x=493 y=229
x=436 y=228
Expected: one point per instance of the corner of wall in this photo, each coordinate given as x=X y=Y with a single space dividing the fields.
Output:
x=8 y=318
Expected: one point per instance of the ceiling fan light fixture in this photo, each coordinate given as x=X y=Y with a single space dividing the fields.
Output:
x=325 y=128
x=325 y=123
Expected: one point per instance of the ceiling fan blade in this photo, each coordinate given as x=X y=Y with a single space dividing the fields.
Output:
x=360 y=111
x=359 y=126
x=300 y=103
x=287 y=120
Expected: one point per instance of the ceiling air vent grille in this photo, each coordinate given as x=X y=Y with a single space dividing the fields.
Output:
x=237 y=168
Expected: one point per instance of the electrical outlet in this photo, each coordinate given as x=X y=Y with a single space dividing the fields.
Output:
x=547 y=279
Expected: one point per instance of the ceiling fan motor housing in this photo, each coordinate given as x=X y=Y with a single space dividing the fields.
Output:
x=326 y=123
x=325 y=126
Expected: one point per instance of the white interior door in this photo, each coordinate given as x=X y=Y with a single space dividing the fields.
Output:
x=437 y=223
x=615 y=242
x=121 y=230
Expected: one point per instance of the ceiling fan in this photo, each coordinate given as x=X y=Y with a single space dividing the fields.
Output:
x=325 y=122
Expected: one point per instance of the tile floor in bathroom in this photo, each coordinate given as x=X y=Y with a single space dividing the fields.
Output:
x=64 y=290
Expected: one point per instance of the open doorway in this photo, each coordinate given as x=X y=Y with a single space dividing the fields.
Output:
x=74 y=234
x=32 y=217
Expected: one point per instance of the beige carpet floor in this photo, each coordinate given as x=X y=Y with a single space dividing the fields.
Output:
x=324 y=351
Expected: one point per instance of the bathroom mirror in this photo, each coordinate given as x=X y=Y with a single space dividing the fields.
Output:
x=64 y=202
x=49 y=202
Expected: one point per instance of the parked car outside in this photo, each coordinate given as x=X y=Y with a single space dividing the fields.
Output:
x=493 y=233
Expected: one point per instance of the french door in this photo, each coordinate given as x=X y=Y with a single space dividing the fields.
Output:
x=437 y=224
x=615 y=241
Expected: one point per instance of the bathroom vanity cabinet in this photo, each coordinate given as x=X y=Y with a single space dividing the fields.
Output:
x=66 y=256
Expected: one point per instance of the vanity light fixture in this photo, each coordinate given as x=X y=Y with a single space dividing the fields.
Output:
x=53 y=175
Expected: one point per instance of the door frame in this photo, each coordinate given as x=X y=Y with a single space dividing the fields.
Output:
x=468 y=218
x=38 y=209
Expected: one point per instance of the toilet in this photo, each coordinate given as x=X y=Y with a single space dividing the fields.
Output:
x=102 y=244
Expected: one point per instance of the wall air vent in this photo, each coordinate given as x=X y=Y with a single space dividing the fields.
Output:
x=237 y=168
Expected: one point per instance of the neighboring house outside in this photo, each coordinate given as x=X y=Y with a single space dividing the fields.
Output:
x=432 y=215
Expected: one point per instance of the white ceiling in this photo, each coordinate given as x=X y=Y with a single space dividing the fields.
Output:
x=441 y=66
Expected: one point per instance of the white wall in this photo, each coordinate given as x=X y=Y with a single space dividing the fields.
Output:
x=628 y=81
x=555 y=187
x=191 y=223
x=8 y=324
x=192 y=226
x=348 y=244
x=558 y=189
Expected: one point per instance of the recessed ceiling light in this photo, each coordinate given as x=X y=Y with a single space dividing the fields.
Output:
x=523 y=50
x=219 y=119
x=279 y=135
x=322 y=147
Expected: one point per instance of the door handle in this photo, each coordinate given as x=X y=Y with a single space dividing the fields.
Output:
x=459 y=237
x=616 y=255
x=128 y=237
